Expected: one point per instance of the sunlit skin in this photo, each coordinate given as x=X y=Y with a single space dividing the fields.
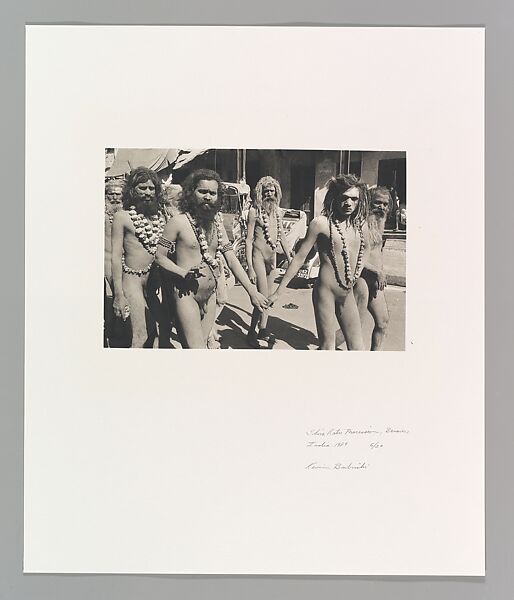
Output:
x=261 y=258
x=129 y=289
x=369 y=289
x=145 y=190
x=113 y=204
x=193 y=293
x=330 y=301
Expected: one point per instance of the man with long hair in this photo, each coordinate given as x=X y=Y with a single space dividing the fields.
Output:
x=190 y=256
x=265 y=234
x=340 y=235
x=135 y=232
x=369 y=289
x=113 y=203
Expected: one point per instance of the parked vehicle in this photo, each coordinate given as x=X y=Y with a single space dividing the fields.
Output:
x=309 y=271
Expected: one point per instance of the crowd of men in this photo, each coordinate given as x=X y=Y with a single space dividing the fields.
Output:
x=168 y=257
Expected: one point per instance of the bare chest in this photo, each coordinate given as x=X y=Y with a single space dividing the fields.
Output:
x=192 y=240
x=341 y=240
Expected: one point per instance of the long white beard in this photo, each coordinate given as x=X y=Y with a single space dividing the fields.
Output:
x=270 y=206
x=376 y=228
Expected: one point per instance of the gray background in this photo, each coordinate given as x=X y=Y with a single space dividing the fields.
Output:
x=497 y=16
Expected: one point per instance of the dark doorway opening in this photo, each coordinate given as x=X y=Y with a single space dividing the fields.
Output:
x=392 y=174
x=302 y=187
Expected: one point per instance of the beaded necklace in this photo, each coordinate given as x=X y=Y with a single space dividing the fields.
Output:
x=148 y=231
x=202 y=241
x=265 y=228
x=349 y=281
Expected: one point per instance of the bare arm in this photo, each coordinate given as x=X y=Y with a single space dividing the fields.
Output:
x=117 y=252
x=120 y=304
x=287 y=251
x=169 y=234
x=377 y=271
x=257 y=299
x=294 y=266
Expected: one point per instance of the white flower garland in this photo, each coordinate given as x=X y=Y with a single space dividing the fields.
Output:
x=148 y=231
x=202 y=241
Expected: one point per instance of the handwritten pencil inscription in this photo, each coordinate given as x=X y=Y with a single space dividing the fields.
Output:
x=346 y=449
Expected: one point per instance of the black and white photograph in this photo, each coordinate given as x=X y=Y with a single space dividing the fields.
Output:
x=255 y=249
x=250 y=207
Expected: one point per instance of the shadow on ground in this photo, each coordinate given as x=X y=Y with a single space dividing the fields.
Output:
x=235 y=336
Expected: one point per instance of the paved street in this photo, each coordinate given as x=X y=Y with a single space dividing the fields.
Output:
x=292 y=320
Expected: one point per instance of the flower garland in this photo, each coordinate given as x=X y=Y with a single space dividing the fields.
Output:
x=202 y=241
x=265 y=227
x=349 y=281
x=138 y=272
x=148 y=231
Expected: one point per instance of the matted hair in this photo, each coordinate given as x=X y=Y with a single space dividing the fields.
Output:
x=381 y=192
x=137 y=176
x=185 y=202
x=339 y=185
x=264 y=181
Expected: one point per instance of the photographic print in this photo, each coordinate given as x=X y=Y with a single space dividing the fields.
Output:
x=255 y=249
x=222 y=203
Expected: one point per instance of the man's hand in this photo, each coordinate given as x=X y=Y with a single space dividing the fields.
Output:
x=258 y=300
x=272 y=299
x=251 y=275
x=190 y=282
x=381 y=280
x=121 y=307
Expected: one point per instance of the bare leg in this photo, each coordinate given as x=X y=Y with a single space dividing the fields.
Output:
x=189 y=323
x=378 y=308
x=214 y=335
x=262 y=285
x=348 y=316
x=324 y=308
x=361 y=293
x=270 y=280
x=133 y=290
x=209 y=318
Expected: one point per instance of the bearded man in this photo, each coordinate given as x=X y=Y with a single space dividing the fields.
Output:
x=135 y=232
x=340 y=233
x=190 y=256
x=265 y=234
x=113 y=203
x=113 y=195
x=369 y=289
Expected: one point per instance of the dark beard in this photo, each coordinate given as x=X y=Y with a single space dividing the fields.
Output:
x=147 y=208
x=205 y=214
